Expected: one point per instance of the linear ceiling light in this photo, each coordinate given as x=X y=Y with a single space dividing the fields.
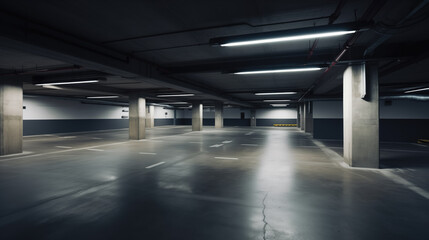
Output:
x=286 y=38
x=281 y=70
x=279 y=100
x=98 y=97
x=177 y=103
x=279 y=105
x=66 y=83
x=275 y=93
x=52 y=87
x=417 y=90
x=176 y=95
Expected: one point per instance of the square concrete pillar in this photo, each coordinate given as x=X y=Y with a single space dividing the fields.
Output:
x=303 y=110
x=219 y=115
x=298 y=116
x=197 y=116
x=361 y=116
x=11 y=98
x=309 y=117
x=253 y=118
x=150 y=116
x=137 y=118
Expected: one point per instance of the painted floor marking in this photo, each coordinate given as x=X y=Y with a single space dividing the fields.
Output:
x=229 y=141
x=249 y=133
x=387 y=173
x=65 y=147
x=405 y=183
x=147 y=153
x=62 y=151
x=16 y=154
x=226 y=158
x=68 y=137
x=155 y=165
x=216 y=145
x=249 y=145
x=97 y=138
x=95 y=150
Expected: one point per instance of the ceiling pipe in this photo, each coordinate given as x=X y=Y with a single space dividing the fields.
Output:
x=386 y=37
x=369 y=14
x=334 y=16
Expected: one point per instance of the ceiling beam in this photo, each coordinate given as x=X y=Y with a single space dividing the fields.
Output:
x=24 y=35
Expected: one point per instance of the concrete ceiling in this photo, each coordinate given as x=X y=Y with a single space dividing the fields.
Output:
x=155 y=47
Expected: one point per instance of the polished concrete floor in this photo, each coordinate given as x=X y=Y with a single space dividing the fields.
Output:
x=234 y=183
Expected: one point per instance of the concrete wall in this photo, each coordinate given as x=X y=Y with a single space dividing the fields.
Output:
x=402 y=121
x=44 y=115
x=163 y=116
x=232 y=117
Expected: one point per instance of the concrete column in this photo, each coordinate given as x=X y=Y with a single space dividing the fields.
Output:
x=303 y=110
x=219 y=115
x=150 y=116
x=253 y=118
x=309 y=117
x=137 y=118
x=361 y=116
x=298 y=116
x=10 y=116
x=197 y=116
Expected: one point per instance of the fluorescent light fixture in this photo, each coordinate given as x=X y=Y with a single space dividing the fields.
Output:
x=277 y=100
x=176 y=95
x=177 y=103
x=286 y=38
x=279 y=105
x=52 y=87
x=98 y=97
x=66 y=83
x=417 y=90
x=275 y=93
x=281 y=70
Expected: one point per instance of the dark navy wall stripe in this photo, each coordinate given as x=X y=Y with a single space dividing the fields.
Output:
x=35 y=127
x=391 y=130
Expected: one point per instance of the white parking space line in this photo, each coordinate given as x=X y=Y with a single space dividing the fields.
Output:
x=249 y=133
x=58 y=152
x=147 y=153
x=16 y=154
x=216 y=145
x=95 y=150
x=65 y=147
x=96 y=138
x=68 y=137
x=387 y=173
x=249 y=145
x=420 y=145
x=226 y=158
x=229 y=141
x=154 y=165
